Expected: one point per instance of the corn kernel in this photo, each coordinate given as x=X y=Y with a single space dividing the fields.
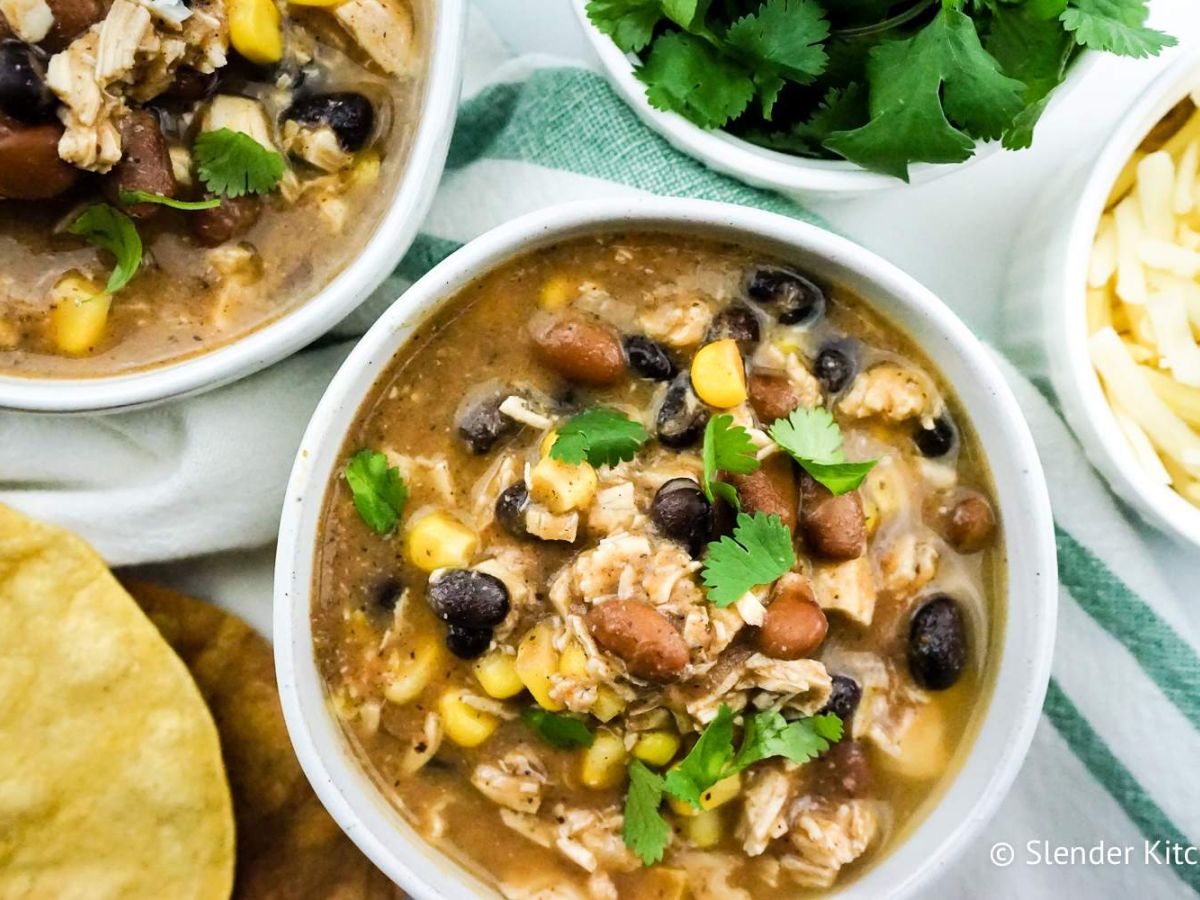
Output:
x=255 y=30
x=924 y=753
x=608 y=705
x=604 y=762
x=497 y=674
x=704 y=829
x=556 y=293
x=325 y=3
x=717 y=795
x=412 y=673
x=871 y=517
x=547 y=443
x=439 y=541
x=718 y=374
x=656 y=748
x=463 y=723
x=561 y=487
x=573 y=661
x=79 y=315
x=537 y=661
x=366 y=171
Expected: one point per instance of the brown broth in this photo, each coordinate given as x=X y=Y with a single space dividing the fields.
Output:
x=481 y=335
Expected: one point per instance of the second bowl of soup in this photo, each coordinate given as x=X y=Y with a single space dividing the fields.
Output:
x=646 y=553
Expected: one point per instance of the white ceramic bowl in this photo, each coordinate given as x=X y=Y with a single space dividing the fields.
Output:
x=757 y=166
x=308 y=321
x=1047 y=304
x=1020 y=655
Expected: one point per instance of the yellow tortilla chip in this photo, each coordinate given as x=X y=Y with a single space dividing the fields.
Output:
x=111 y=779
x=288 y=846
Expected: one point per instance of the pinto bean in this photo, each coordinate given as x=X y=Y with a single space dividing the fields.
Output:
x=233 y=218
x=30 y=168
x=794 y=625
x=772 y=397
x=770 y=489
x=71 y=19
x=968 y=524
x=145 y=165
x=640 y=635
x=833 y=527
x=579 y=350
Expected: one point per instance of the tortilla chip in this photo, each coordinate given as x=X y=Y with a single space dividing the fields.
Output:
x=288 y=846
x=111 y=779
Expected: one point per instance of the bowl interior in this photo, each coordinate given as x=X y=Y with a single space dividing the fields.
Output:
x=1070 y=366
x=1019 y=655
x=300 y=325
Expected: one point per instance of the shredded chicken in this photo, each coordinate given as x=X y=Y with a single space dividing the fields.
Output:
x=384 y=29
x=893 y=392
x=825 y=838
x=30 y=20
x=848 y=587
x=425 y=746
x=764 y=815
x=589 y=838
x=677 y=321
x=887 y=704
x=614 y=509
x=317 y=146
x=514 y=782
x=711 y=875
x=908 y=565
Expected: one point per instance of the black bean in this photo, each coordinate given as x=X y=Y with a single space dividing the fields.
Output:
x=510 y=509
x=843 y=702
x=683 y=513
x=736 y=321
x=481 y=424
x=836 y=364
x=681 y=417
x=387 y=593
x=790 y=296
x=936 y=440
x=937 y=643
x=468 y=599
x=649 y=358
x=468 y=643
x=23 y=92
x=350 y=115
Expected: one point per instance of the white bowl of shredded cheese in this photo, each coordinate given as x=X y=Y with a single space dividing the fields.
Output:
x=1119 y=303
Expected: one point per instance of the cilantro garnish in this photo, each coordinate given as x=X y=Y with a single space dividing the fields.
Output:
x=766 y=735
x=232 y=164
x=645 y=831
x=604 y=437
x=759 y=552
x=110 y=229
x=130 y=198
x=882 y=84
x=557 y=730
x=728 y=448
x=813 y=439
x=379 y=491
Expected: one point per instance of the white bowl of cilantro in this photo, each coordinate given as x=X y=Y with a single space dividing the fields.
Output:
x=812 y=96
x=1019 y=651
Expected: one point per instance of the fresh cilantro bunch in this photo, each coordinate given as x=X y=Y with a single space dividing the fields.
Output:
x=882 y=83
x=713 y=758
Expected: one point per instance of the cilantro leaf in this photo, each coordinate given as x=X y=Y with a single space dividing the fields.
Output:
x=917 y=86
x=110 y=229
x=727 y=447
x=687 y=14
x=604 y=437
x=630 y=23
x=784 y=36
x=1116 y=26
x=813 y=439
x=759 y=552
x=233 y=164
x=378 y=491
x=706 y=762
x=557 y=730
x=687 y=75
x=645 y=831
x=768 y=734
x=130 y=198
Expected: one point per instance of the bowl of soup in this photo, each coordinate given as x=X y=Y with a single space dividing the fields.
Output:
x=190 y=192
x=645 y=550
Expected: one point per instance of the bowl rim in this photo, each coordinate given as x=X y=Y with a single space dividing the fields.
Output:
x=762 y=167
x=293 y=329
x=1022 y=664
x=1072 y=373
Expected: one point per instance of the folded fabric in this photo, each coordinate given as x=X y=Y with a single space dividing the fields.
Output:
x=1111 y=759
